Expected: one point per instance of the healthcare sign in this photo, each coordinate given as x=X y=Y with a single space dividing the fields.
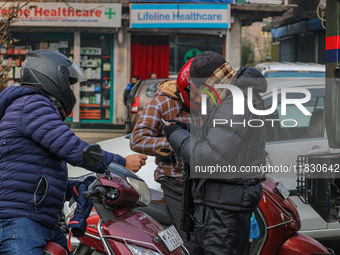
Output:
x=191 y=1
x=65 y=14
x=180 y=16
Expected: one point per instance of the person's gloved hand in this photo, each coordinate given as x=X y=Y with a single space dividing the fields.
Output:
x=135 y=161
x=77 y=224
x=73 y=187
x=169 y=129
x=184 y=125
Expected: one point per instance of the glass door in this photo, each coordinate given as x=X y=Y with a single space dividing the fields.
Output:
x=96 y=93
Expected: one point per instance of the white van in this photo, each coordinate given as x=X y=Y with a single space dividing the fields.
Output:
x=291 y=69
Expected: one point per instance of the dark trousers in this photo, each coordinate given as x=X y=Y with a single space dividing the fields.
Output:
x=221 y=232
x=172 y=190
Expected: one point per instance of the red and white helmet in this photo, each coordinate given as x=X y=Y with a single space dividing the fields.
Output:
x=183 y=82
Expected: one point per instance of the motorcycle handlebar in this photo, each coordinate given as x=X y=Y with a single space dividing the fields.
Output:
x=113 y=194
x=98 y=191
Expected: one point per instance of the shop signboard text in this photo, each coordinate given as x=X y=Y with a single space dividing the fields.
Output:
x=70 y=14
x=179 y=15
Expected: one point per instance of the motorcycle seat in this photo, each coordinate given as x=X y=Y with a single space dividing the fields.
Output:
x=157 y=209
x=54 y=249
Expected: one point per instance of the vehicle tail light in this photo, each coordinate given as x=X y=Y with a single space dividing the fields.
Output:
x=135 y=105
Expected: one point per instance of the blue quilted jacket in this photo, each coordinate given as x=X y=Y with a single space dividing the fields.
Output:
x=35 y=145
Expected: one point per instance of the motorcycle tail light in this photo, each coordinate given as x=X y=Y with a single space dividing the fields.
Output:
x=135 y=105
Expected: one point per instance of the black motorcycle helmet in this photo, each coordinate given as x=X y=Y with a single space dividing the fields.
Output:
x=53 y=73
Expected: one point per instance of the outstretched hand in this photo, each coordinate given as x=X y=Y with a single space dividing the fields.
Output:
x=135 y=161
x=184 y=125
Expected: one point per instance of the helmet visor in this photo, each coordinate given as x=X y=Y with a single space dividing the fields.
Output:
x=200 y=87
x=193 y=92
x=76 y=73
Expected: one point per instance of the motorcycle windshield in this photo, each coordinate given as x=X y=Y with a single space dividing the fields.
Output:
x=122 y=171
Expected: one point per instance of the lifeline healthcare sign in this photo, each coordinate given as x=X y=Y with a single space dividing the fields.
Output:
x=66 y=14
x=179 y=15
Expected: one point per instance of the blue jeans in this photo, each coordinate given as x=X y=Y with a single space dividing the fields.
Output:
x=21 y=236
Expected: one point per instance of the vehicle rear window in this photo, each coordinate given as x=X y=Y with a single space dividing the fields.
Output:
x=308 y=126
x=273 y=74
x=150 y=91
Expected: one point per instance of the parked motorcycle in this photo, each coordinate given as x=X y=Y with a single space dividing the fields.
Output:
x=278 y=220
x=279 y=223
x=127 y=223
x=116 y=228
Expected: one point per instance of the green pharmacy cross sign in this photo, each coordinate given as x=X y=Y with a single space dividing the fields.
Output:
x=191 y=54
x=110 y=13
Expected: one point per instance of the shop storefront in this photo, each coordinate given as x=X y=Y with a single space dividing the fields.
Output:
x=83 y=32
x=302 y=41
x=165 y=36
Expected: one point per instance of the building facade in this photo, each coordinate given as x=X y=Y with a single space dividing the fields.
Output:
x=113 y=40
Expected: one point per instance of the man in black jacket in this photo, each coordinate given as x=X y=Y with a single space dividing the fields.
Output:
x=225 y=200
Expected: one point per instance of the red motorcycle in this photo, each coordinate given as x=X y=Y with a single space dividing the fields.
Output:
x=278 y=220
x=125 y=222
x=279 y=223
x=117 y=228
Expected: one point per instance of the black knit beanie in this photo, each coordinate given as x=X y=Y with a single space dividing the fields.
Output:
x=205 y=64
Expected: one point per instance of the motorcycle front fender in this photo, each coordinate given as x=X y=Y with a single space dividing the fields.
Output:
x=300 y=244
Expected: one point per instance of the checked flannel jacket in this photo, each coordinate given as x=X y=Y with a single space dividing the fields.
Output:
x=148 y=135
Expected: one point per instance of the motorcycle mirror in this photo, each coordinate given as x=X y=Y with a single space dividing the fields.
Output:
x=92 y=154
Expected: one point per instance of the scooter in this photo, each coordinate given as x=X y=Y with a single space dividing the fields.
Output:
x=279 y=223
x=125 y=222
x=278 y=220
x=115 y=228
x=276 y=215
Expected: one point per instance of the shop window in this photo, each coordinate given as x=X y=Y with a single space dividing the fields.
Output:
x=14 y=56
x=95 y=60
x=183 y=48
x=150 y=54
x=95 y=93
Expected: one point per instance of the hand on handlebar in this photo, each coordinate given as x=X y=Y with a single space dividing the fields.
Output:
x=135 y=161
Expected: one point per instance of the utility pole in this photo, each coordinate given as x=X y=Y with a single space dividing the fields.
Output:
x=332 y=99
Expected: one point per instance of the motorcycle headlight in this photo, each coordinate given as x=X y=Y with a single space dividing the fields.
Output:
x=142 y=189
x=136 y=250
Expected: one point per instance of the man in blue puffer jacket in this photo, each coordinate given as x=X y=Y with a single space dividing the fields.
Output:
x=35 y=145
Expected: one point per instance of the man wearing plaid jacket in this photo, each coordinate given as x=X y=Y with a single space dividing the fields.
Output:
x=148 y=138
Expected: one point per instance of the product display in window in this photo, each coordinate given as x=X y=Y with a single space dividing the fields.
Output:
x=95 y=60
x=95 y=93
x=12 y=57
